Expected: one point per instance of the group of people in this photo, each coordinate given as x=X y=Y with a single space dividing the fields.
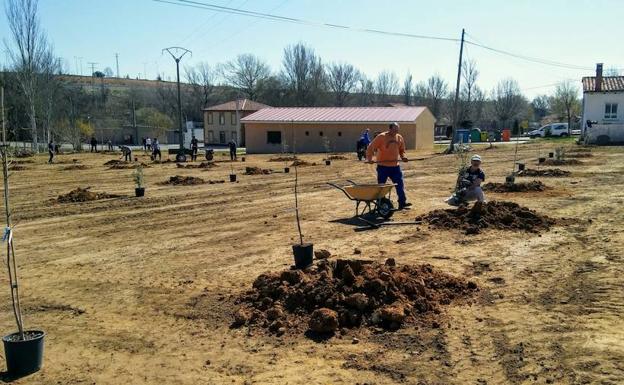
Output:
x=388 y=149
x=153 y=146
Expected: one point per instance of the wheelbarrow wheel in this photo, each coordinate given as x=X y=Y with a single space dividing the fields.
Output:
x=385 y=208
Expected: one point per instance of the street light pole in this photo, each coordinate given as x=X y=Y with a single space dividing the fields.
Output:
x=177 y=53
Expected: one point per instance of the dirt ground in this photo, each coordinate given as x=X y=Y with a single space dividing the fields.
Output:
x=141 y=290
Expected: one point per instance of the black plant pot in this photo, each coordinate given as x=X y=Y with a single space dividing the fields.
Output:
x=242 y=158
x=286 y=170
x=327 y=162
x=541 y=160
x=520 y=166
x=139 y=191
x=23 y=357
x=232 y=178
x=303 y=254
x=551 y=154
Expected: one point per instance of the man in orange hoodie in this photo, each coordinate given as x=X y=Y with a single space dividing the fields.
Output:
x=388 y=147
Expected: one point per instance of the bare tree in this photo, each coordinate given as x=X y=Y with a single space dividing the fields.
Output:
x=386 y=86
x=478 y=105
x=28 y=53
x=246 y=72
x=432 y=94
x=541 y=107
x=303 y=72
x=469 y=76
x=507 y=100
x=202 y=80
x=407 y=90
x=366 y=91
x=566 y=102
x=342 y=79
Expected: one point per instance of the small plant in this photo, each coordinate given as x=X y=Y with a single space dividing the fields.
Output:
x=138 y=176
x=327 y=145
x=559 y=154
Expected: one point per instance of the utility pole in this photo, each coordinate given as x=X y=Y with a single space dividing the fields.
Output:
x=177 y=53
x=92 y=64
x=117 y=61
x=459 y=67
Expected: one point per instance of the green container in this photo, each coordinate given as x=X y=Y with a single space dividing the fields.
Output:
x=484 y=136
x=475 y=136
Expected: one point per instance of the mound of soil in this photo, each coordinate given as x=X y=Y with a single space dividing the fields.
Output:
x=514 y=187
x=83 y=195
x=256 y=171
x=336 y=157
x=16 y=167
x=494 y=215
x=283 y=159
x=342 y=293
x=554 y=173
x=76 y=167
x=562 y=162
x=579 y=155
x=23 y=161
x=125 y=166
x=184 y=180
x=23 y=153
x=302 y=163
x=113 y=162
x=201 y=165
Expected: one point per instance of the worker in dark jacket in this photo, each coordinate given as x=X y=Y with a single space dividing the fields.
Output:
x=93 y=144
x=194 y=147
x=51 y=149
x=232 y=146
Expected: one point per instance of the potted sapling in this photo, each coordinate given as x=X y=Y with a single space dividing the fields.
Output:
x=23 y=350
x=232 y=175
x=139 y=190
x=302 y=252
x=327 y=145
x=285 y=157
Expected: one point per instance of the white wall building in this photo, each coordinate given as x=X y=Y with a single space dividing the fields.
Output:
x=603 y=108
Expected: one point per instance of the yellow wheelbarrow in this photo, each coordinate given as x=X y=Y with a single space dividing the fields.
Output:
x=375 y=197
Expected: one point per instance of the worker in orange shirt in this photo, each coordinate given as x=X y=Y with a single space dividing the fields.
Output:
x=388 y=147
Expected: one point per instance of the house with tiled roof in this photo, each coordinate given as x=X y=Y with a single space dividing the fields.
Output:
x=222 y=122
x=335 y=129
x=603 y=108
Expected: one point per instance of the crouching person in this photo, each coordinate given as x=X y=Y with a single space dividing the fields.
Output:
x=469 y=184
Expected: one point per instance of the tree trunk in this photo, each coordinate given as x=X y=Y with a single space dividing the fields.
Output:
x=33 y=125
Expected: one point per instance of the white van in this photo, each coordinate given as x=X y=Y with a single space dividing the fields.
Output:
x=554 y=129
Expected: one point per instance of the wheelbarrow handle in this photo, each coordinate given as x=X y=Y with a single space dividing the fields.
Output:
x=341 y=189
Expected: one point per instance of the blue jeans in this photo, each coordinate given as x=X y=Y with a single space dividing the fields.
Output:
x=396 y=176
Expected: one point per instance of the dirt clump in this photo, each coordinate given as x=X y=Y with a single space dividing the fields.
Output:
x=283 y=159
x=124 y=165
x=302 y=163
x=256 y=171
x=535 y=185
x=553 y=173
x=75 y=167
x=113 y=162
x=336 y=157
x=335 y=294
x=183 y=180
x=322 y=254
x=16 y=167
x=579 y=155
x=201 y=165
x=493 y=215
x=83 y=195
x=562 y=162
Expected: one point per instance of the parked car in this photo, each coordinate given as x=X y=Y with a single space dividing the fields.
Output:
x=555 y=129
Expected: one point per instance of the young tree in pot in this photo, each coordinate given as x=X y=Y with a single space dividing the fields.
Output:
x=327 y=145
x=302 y=252
x=285 y=156
x=139 y=190
x=232 y=175
x=23 y=349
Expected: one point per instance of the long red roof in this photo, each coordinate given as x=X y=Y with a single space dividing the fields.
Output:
x=335 y=115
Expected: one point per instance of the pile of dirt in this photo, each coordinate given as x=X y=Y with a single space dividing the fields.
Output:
x=83 y=195
x=342 y=293
x=562 y=162
x=336 y=157
x=183 y=180
x=16 y=167
x=554 y=173
x=125 y=166
x=23 y=153
x=579 y=155
x=113 y=162
x=256 y=171
x=201 y=165
x=22 y=161
x=493 y=215
x=75 y=167
x=302 y=163
x=283 y=159
x=156 y=161
x=514 y=187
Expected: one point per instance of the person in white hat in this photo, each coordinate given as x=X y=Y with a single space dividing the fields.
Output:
x=469 y=184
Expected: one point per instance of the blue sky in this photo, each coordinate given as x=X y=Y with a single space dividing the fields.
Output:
x=577 y=32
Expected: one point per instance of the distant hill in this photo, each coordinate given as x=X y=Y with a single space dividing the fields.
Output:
x=113 y=82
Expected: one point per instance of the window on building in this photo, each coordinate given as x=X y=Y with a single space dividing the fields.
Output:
x=210 y=136
x=339 y=133
x=611 y=111
x=233 y=118
x=222 y=118
x=307 y=133
x=274 y=137
x=210 y=118
x=233 y=134
x=221 y=136
x=321 y=133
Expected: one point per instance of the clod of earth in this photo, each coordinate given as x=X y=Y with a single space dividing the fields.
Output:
x=302 y=163
x=183 y=180
x=515 y=187
x=554 y=173
x=83 y=195
x=283 y=159
x=75 y=167
x=125 y=166
x=336 y=157
x=579 y=155
x=336 y=294
x=494 y=215
x=322 y=254
x=16 y=167
x=256 y=171
x=201 y=165
x=562 y=162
